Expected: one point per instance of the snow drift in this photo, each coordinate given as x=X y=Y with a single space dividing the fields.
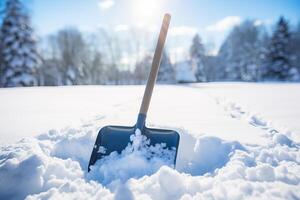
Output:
x=54 y=166
x=264 y=162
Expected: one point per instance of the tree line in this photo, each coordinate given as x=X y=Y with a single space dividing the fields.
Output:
x=69 y=57
x=249 y=53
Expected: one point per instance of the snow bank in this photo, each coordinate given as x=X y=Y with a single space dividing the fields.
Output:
x=72 y=143
x=252 y=173
x=27 y=167
x=211 y=153
x=54 y=165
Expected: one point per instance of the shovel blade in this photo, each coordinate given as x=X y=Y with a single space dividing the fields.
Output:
x=116 y=138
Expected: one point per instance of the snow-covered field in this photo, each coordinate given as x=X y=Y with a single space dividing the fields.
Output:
x=238 y=141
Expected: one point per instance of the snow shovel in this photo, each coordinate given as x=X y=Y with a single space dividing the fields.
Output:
x=116 y=138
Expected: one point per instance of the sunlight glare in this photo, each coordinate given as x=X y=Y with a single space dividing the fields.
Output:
x=146 y=10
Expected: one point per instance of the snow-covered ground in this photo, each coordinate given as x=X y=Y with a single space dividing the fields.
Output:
x=238 y=140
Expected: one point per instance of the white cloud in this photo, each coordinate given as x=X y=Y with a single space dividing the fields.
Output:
x=106 y=4
x=183 y=30
x=225 y=23
x=121 y=27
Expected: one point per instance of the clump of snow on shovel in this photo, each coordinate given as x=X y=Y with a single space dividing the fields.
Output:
x=139 y=158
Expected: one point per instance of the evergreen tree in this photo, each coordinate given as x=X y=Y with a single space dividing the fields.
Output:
x=241 y=53
x=279 y=64
x=213 y=70
x=197 y=55
x=228 y=51
x=295 y=50
x=19 y=54
x=1 y=65
x=166 y=73
x=2 y=5
x=252 y=40
x=263 y=57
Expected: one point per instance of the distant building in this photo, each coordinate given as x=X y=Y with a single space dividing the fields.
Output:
x=185 y=73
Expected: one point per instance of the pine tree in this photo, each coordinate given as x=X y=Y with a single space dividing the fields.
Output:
x=1 y=65
x=197 y=55
x=295 y=51
x=252 y=38
x=19 y=53
x=230 y=56
x=241 y=51
x=279 y=64
x=166 y=73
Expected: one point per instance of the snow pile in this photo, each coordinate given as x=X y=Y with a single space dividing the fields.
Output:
x=54 y=166
x=136 y=160
x=27 y=168
x=209 y=154
x=255 y=173
x=73 y=143
x=169 y=184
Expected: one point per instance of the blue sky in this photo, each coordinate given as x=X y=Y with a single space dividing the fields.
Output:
x=210 y=18
x=50 y=15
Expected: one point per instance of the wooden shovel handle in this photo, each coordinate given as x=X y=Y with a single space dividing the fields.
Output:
x=155 y=64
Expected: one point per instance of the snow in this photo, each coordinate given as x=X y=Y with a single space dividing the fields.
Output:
x=226 y=151
x=275 y=103
x=184 y=72
x=136 y=160
x=20 y=48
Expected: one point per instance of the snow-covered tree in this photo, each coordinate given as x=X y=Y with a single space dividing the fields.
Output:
x=1 y=64
x=213 y=68
x=19 y=53
x=50 y=74
x=72 y=54
x=279 y=63
x=69 y=51
x=96 y=69
x=241 y=52
x=166 y=72
x=295 y=51
x=197 y=56
x=227 y=54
